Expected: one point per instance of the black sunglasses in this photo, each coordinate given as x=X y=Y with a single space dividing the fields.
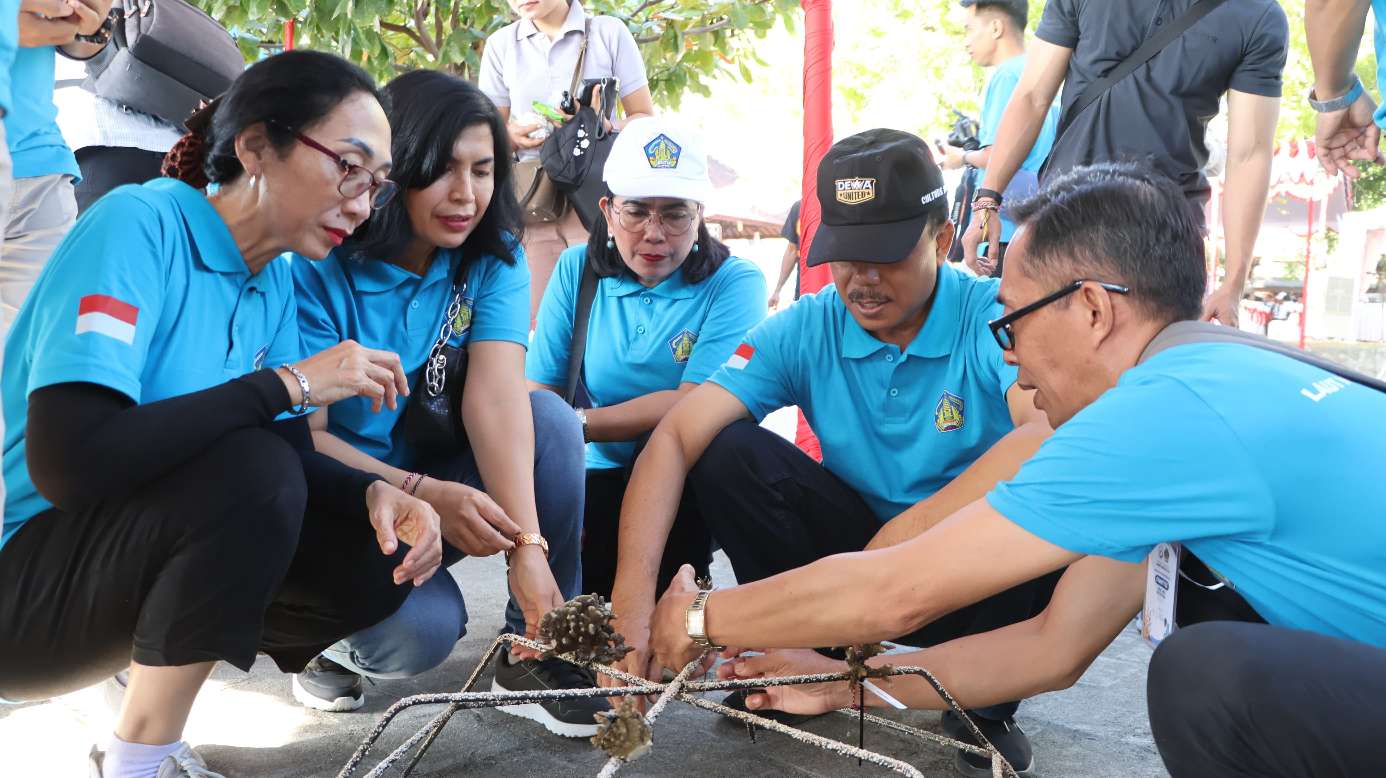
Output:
x=1001 y=328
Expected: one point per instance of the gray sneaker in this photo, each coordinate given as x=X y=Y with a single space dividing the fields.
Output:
x=569 y=718
x=327 y=686
x=183 y=763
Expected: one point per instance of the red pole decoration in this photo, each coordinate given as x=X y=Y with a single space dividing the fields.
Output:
x=289 y=35
x=818 y=138
x=1308 y=258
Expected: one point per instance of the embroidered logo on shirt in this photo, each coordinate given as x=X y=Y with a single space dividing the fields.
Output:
x=463 y=320
x=663 y=153
x=741 y=357
x=855 y=191
x=260 y=357
x=105 y=315
x=948 y=414
x=682 y=345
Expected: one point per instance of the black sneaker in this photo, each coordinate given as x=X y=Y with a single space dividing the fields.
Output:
x=327 y=686
x=569 y=718
x=1006 y=735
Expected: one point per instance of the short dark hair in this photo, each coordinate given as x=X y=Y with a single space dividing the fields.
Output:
x=1018 y=11
x=1122 y=223
x=428 y=110
x=289 y=92
x=606 y=261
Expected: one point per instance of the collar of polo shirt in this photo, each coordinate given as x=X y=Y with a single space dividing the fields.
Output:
x=216 y=248
x=372 y=275
x=671 y=288
x=577 y=18
x=935 y=339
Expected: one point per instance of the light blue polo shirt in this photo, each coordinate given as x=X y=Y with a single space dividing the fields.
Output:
x=9 y=46
x=147 y=295
x=383 y=306
x=998 y=93
x=36 y=144
x=642 y=340
x=1264 y=467
x=895 y=426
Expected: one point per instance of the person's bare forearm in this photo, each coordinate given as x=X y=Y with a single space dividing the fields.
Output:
x=648 y=509
x=787 y=263
x=331 y=445
x=632 y=418
x=1244 y=204
x=1334 y=31
x=1020 y=126
x=500 y=428
x=1000 y=462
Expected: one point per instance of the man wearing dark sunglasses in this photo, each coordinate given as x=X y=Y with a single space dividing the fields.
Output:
x=1152 y=446
x=897 y=374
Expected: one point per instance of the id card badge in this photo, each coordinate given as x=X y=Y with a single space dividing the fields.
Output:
x=1161 y=583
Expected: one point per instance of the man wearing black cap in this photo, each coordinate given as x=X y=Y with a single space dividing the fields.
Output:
x=897 y=373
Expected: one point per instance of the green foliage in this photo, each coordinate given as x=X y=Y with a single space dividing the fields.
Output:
x=686 y=43
x=1369 y=191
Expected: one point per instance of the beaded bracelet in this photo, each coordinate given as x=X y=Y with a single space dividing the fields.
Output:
x=411 y=483
x=302 y=407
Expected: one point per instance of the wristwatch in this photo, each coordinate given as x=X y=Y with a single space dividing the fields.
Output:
x=1337 y=103
x=695 y=620
x=528 y=539
x=102 y=34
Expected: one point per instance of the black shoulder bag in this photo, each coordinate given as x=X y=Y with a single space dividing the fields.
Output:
x=1210 y=599
x=433 y=417
x=1140 y=56
x=575 y=394
x=574 y=155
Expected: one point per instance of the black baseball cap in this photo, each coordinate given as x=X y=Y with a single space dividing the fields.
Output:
x=877 y=189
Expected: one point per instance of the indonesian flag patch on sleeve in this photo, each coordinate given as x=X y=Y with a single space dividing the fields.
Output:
x=106 y=315
x=741 y=357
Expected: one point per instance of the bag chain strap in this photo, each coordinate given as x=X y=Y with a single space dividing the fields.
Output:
x=434 y=369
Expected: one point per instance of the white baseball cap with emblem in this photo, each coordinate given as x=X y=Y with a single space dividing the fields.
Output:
x=658 y=156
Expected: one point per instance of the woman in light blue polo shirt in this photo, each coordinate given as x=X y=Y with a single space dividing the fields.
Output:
x=670 y=306
x=442 y=267
x=155 y=513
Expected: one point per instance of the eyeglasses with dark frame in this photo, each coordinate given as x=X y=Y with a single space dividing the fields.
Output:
x=675 y=220
x=1005 y=335
x=355 y=179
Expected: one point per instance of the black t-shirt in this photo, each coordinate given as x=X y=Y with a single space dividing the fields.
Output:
x=790 y=231
x=1160 y=112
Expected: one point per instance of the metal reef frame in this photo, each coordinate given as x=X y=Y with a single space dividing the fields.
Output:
x=682 y=689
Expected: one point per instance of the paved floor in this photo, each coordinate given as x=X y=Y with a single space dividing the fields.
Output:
x=249 y=725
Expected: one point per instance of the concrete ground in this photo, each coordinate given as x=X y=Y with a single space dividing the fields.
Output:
x=249 y=725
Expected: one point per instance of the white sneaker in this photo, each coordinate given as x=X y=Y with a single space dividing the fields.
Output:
x=183 y=763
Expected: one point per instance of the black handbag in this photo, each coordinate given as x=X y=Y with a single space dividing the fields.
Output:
x=433 y=418
x=165 y=59
x=574 y=155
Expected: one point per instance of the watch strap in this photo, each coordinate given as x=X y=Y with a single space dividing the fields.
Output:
x=1337 y=103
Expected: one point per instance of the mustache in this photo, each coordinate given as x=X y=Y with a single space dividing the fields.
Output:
x=861 y=296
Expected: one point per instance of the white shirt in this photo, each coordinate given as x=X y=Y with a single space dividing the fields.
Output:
x=520 y=65
x=88 y=120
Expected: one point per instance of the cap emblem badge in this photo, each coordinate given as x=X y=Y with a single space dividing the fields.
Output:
x=663 y=153
x=855 y=191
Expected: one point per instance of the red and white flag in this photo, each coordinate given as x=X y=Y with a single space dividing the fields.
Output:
x=741 y=357
x=105 y=315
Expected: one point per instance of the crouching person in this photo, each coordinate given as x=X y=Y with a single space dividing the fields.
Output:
x=156 y=516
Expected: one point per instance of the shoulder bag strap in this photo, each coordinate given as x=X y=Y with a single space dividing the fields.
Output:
x=1181 y=332
x=1140 y=56
x=582 y=58
x=587 y=290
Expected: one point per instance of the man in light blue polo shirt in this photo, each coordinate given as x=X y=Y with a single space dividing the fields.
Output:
x=1265 y=467
x=42 y=205
x=996 y=38
x=896 y=372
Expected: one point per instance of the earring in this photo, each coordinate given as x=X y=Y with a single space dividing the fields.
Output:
x=610 y=244
x=695 y=248
x=252 y=181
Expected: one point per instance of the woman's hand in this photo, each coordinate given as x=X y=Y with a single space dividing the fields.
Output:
x=349 y=369
x=809 y=699
x=400 y=518
x=471 y=521
x=532 y=584
x=519 y=135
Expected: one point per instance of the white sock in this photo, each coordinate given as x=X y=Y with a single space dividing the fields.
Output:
x=134 y=760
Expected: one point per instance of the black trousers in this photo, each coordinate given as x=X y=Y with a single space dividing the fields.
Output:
x=1233 y=699
x=772 y=508
x=106 y=167
x=216 y=561
x=689 y=541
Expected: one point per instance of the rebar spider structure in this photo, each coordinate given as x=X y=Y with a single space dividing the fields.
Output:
x=582 y=627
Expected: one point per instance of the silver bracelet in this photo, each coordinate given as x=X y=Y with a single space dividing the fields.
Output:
x=302 y=407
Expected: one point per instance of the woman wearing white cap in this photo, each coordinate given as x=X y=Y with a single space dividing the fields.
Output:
x=670 y=306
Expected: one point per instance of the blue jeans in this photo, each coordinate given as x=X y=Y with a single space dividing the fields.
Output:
x=421 y=634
